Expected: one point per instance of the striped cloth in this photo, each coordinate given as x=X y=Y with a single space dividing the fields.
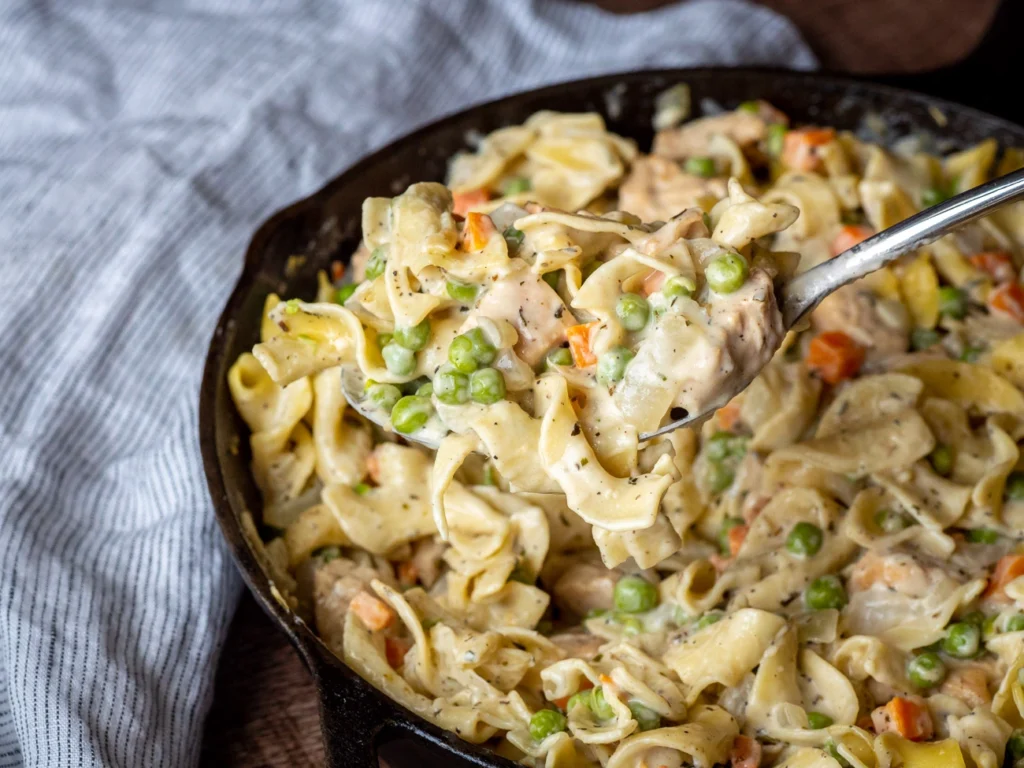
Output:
x=140 y=145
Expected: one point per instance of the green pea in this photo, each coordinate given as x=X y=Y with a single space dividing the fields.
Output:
x=727 y=273
x=833 y=752
x=676 y=287
x=559 y=356
x=451 y=387
x=291 y=307
x=891 y=521
x=633 y=311
x=933 y=196
x=718 y=476
x=425 y=390
x=383 y=339
x=464 y=293
x=361 y=489
x=723 y=533
x=460 y=355
x=982 y=536
x=816 y=721
x=962 y=640
x=581 y=697
x=344 y=293
x=1015 y=623
x=952 y=302
x=775 y=139
x=804 y=540
x=923 y=338
x=546 y=722
x=645 y=717
x=700 y=166
x=926 y=670
x=634 y=594
x=1014 y=489
x=483 y=350
x=941 y=459
x=825 y=592
x=486 y=386
x=326 y=554
x=1015 y=747
x=384 y=396
x=724 y=445
x=414 y=338
x=599 y=705
x=611 y=366
x=709 y=618
x=752 y=107
x=551 y=278
x=399 y=360
x=410 y=413
x=513 y=238
x=972 y=353
x=377 y=262
x=515 y=185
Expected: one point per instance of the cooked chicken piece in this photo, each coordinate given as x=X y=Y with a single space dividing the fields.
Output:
x=870 y=321
x=358 y=263
x=969 y=684
x=692 y=139
x=657 y=189
x=532 y=306
x=584 y=588
x=334 y=586
x=579 y=644
x=426 y=556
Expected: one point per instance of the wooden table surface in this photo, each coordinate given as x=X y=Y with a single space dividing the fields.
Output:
x=264 y=710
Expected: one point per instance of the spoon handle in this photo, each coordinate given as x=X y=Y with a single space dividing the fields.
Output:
x=803 y=292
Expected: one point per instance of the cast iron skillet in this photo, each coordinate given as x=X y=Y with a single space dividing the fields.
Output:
x=357 y=720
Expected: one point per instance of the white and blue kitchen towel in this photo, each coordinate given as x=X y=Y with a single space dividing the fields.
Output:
x=141 y=143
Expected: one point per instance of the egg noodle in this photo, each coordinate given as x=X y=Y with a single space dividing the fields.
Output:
x=827 y=572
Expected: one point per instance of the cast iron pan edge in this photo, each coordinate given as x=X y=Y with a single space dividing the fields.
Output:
x=356 y=718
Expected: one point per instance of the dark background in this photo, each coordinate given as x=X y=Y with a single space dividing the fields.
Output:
x=265 y=707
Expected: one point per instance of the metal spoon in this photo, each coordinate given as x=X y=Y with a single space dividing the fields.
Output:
x=805 y=291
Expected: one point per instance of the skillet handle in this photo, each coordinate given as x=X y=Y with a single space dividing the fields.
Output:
x=972 y=81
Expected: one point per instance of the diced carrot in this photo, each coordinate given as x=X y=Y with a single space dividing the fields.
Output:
x=800 y=147
x=408 y=573
x=1007 y=569
x=463 y=201
x=337 y=271
x=395 y=649
x=834 y=356
x=374 y=613
x=849 y=236
x=745 y=752
x=652 y=282
x=909 y=718
x=996 y=264
x=562 y=703
x=579 y=344
x=736 y=536
x=1008 y=299
x=477 y=231
x=728 y=415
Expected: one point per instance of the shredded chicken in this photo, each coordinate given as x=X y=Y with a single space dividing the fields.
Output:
x=584 y=588
x=579 y=644
x=335 y=584
x=692 y=139
x=857 y=313
x=657 y=189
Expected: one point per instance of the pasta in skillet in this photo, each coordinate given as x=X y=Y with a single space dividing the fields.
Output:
x=828 y=572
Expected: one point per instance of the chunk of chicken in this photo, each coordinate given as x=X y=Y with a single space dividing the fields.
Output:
x=334 y=586
x=693 y=138
x=579 y=644
x=358 y=263
x=870 y=321
x=657 y=189
x=969 y=684
x=584 y=588
x=532 y=307
x=426 y=556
